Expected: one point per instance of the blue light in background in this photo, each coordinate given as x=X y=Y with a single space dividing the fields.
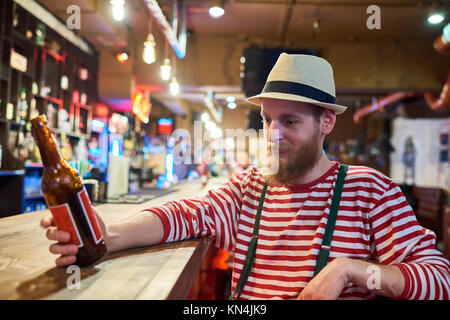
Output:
x=155 y=149
x=95 y=151
x=97 y=125
x=115 y=148
x=169 y=166
x=165 y=121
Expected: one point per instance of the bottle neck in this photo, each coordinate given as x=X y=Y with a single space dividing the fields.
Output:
x=50 y=154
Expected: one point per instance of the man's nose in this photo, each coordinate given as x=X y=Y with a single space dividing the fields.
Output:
x=275 y=132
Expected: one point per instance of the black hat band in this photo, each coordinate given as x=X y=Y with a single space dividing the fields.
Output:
x=299 y=89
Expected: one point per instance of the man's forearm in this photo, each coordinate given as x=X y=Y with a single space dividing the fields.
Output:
x=140 y=229
x=380 y=279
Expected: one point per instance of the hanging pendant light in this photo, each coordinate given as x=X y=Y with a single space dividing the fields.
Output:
x=174 y=87
x=122 y=57
x=436 y=14
x=216 y=10
x=149 y=55
x=166 y=70
x=118 y=9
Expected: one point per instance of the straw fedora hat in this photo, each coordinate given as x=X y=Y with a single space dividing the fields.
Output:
x=301 y=77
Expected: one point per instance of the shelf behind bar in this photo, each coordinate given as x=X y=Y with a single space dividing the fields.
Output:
x=9 y=173
x=71 y=134
x=34 y=196
x=34 y=165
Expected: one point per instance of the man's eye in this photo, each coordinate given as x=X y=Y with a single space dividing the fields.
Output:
x=291 y=122
x=266 y=121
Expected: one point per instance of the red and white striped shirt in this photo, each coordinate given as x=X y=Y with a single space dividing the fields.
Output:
x=374 y=222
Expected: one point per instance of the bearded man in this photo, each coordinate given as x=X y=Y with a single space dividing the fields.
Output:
x=315 y=229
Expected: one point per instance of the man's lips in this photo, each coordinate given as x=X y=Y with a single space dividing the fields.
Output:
x=281 y=149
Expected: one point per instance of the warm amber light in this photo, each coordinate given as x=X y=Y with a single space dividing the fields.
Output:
x=166 y=70
x=149 y=54
x=122 y=57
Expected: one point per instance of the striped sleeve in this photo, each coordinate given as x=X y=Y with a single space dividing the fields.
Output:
x=214 y=216
x=399 y=240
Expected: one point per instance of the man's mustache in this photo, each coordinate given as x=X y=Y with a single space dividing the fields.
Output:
x=283 y=147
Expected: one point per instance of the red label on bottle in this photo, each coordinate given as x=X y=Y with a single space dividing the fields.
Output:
x=90 y=215
x=63 y=218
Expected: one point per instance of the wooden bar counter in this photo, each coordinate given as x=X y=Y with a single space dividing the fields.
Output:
x=28 y=271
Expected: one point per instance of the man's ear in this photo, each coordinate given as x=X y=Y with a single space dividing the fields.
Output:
x=327 y=121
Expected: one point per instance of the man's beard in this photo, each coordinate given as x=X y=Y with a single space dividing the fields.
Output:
x=301 y=160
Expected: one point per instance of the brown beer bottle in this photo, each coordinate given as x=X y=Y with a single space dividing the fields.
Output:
x=67 y=198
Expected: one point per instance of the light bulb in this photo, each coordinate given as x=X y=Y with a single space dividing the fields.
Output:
x=216 y=11
x=149 y=55
x=118 y=9
x=446 y=33
x=216 y=133
x=205 y=117
x=232 y=105
x=210 y=126
x=174 y=87
x=166 y=70
x=436 y=18
x=122 y=57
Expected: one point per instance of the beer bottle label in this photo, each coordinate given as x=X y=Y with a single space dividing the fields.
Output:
x=63 y=218
x=90 y=215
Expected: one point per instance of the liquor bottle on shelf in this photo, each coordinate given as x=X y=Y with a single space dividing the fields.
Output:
x=23 y=106
x=9 y=111
x=29 y=146
x=19 y=151
x=64 y=82
x=33 y=109
x=34 y=88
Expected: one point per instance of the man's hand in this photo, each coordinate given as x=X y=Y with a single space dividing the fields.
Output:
x=328 y=283
x=63 y=247
x=136 y=230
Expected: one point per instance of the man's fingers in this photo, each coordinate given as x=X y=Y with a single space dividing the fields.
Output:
x=65 y=261
x=47 y=221
x=58 y=235
x=67 y=251
x=64 y=249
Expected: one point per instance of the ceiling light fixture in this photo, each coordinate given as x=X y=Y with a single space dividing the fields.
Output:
x=216 y=10
x=435 y=18
x=149 y=55
x=435 y=14
x=118 y=10
x=174 y=87
x=231 y=99
x=232 y=105
x=205 y=117
x=166 y=70
x=446 y=33
x=216 y=133
x=210 y=125
x=122 y=57
x=316 y=25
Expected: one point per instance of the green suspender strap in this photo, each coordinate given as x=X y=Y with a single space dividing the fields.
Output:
x=324 y=252
x=325 y=248
x=248 y=264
